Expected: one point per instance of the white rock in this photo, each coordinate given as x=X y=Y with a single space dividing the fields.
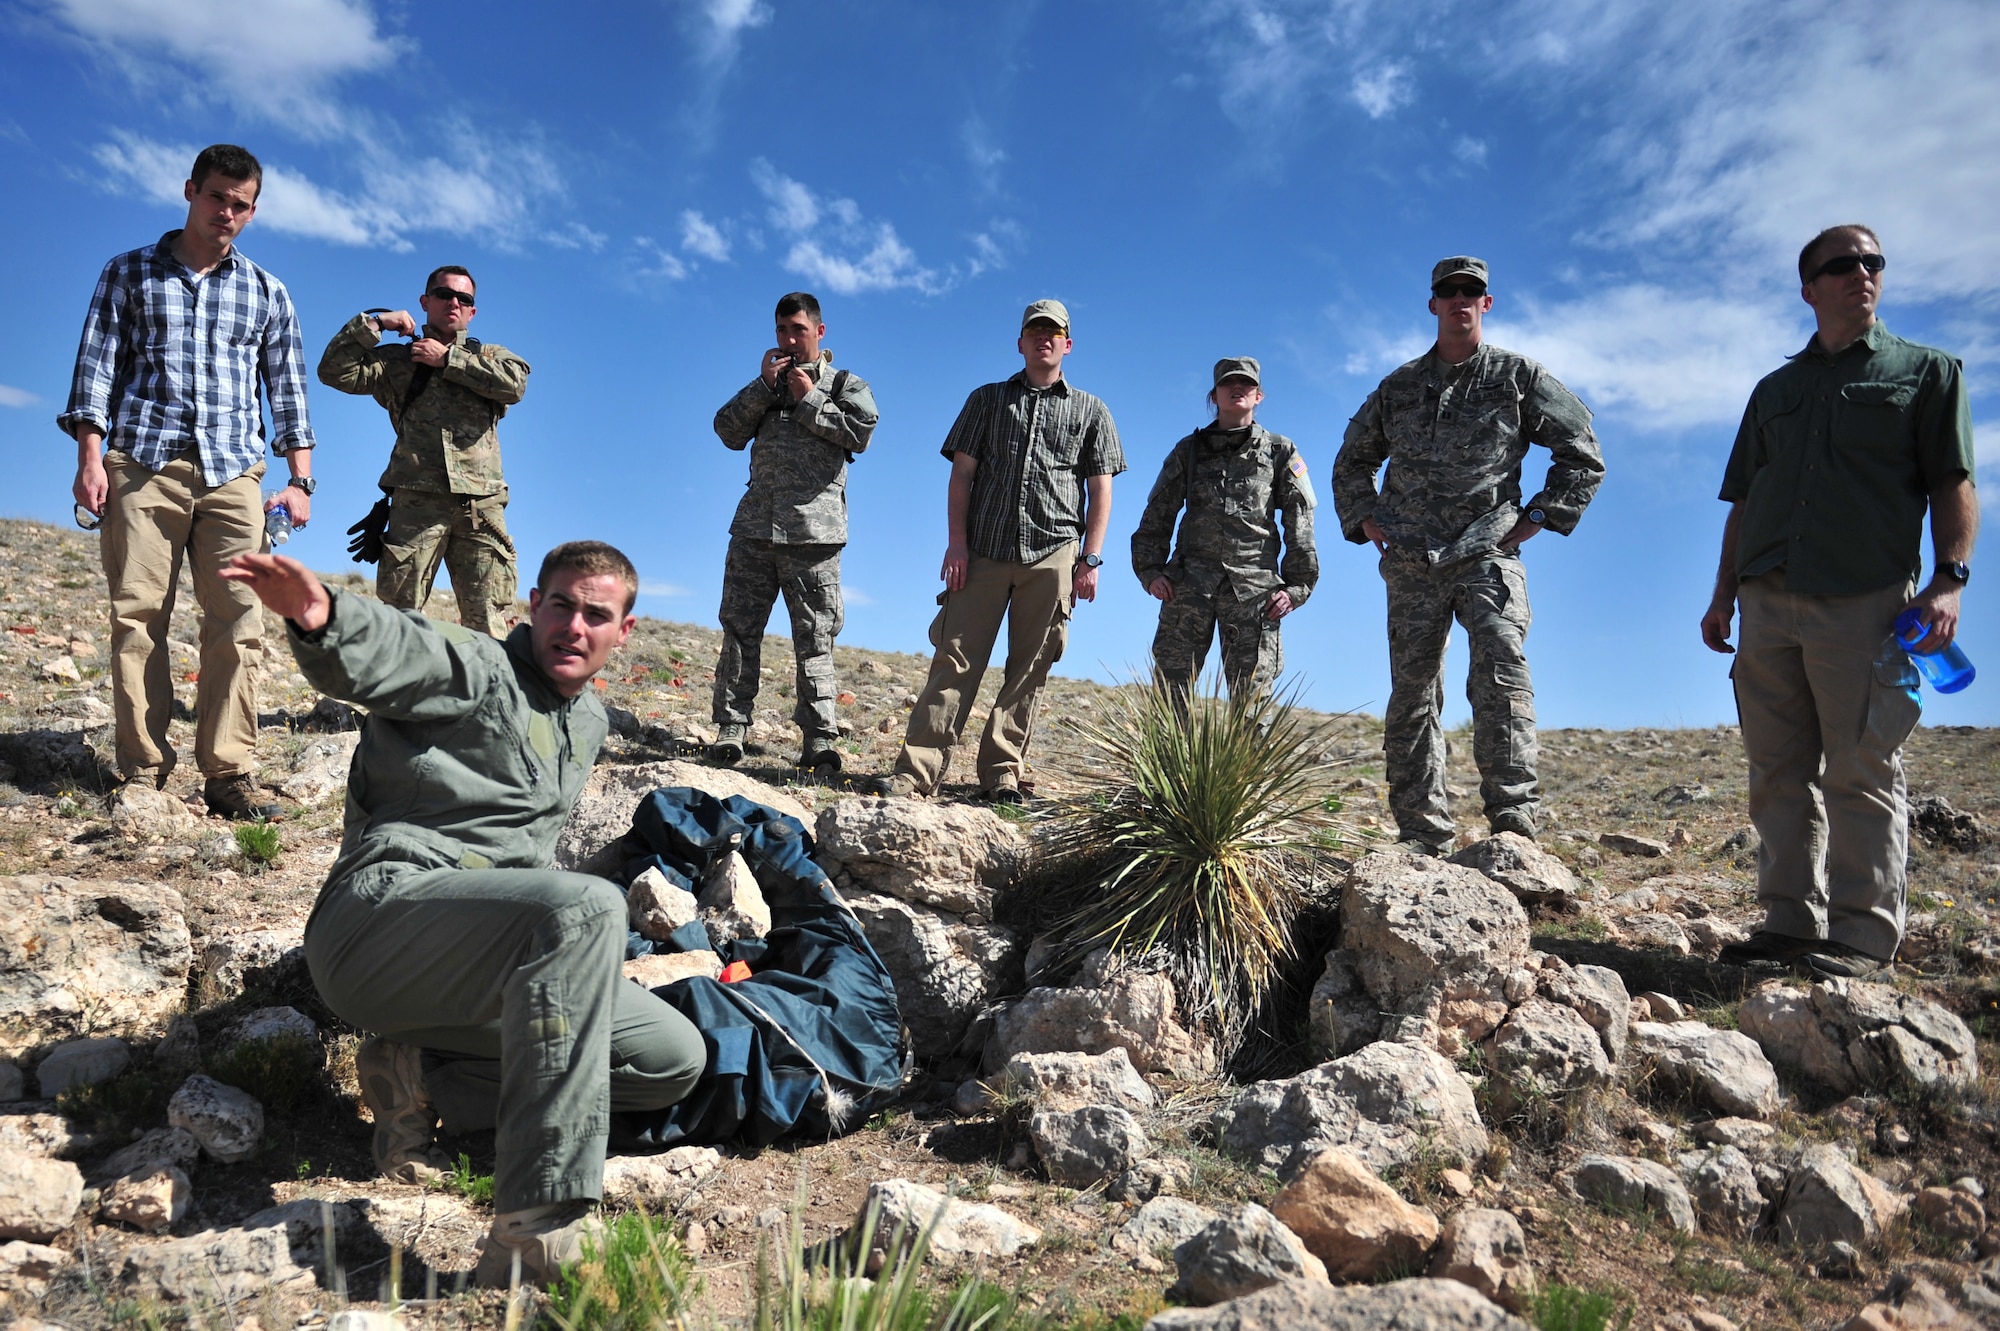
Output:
x=1535 y=877
x=320 y=769
x=38 y=1197
x=965 y=1232
x=1726 y=1069
x=1724 y=1186
x=77 y=1063
x=1241 y=1253
x=656 y=907
x=1160 y=1226
x=659 y=1180
x=147 y=811
x=1625 y=1183
x=1485 y=1249
x=1851 y=1035
x=216 y=1264
x=1132 y=1011
x=1828 y=1200
x=272 y=1023
x=1079 y=1147
x=946 y=971
x=150 y=1203
x=732 y=905
x=49 y=1135
x=227 y=1122
x=657 y=970
x=1412 y=922
x=265 y=958
x=1545 y=1051
x=88 y=958
x=1071 y=1081
x=948 y=856
x=159 y=1149
x=1295 y=1305
x=26 y=1269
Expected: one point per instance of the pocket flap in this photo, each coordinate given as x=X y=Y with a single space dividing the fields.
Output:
x=1513 y=677
x=1879 y=395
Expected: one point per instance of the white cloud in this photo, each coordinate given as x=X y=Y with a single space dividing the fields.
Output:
x=1469 y=150
x=732 y=16
x=648 y=587
x=1986 y=461
x=702 y=237
x=276 y=58
x=16 y=397
x=855 y=596
x=982 y=152
x=1383 y=89
x=660 y=263
x=833 y=245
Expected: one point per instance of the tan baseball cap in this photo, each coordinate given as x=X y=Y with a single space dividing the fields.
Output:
x=1459 y=265
x=1244 y=367
x=1052 y=311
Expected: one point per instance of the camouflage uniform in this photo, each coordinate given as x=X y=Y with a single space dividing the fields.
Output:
x=1454 y=437
x=787 y=536
x=446 y=493
x=1237 y=486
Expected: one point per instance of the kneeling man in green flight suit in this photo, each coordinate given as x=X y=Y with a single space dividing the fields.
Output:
x=492 y=983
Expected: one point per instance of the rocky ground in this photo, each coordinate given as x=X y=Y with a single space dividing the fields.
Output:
x=1574 y=1095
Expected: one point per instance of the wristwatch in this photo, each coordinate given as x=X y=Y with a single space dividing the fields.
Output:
x=1093 y=561
x=305 y=485
x=1538 y=517
x=1958 y=570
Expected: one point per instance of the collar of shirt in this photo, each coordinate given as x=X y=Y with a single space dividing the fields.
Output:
x=437 y=334
x=1872 y=339
x=163 y=254
x=1020 y=380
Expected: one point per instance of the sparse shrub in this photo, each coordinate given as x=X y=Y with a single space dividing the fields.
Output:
x=137 y=1099
x=1566 y=1308
x=259 y=842
x=278 y=1070
x=1209 y=835
x=640 y=1278
x=462 y=1179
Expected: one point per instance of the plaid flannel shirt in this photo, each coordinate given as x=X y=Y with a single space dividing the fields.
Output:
x=1035 y=451
x=170 y=359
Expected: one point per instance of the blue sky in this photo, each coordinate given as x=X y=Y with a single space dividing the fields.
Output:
x=635 y=184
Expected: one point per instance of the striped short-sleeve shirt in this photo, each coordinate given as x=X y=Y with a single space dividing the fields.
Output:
x=1035 y=449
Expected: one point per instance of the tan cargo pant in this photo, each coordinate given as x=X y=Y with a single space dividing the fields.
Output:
x=468 y=533
x=1035 y=599
x=151 y=520
x=1827 y=698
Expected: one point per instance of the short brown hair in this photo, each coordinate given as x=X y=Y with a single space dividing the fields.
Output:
x=453 y=270
x=592 y=559
x=799 y=302
x=1808 y=254
x=227 y=160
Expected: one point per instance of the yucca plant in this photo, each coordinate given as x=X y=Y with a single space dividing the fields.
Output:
x=1213 y=829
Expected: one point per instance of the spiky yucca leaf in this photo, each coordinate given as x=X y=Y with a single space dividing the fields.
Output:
x=1218 y=816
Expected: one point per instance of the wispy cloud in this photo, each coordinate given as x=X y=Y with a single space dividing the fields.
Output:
x=983 y=153
x=831 y=243
x=716 y=28
x=657 y=262
x=648 y=587
x=16 y=397
x=702 y=237
x=1986 y=464
x=1469 y=150
x=1383 y=89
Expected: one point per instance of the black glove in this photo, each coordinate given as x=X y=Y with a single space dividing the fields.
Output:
x=366 y=547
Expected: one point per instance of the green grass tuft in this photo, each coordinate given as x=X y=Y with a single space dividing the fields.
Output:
x=259 y=842
x=279 y=1071
x=1566 y=1308
x=461 y=1179
x=638 y=1279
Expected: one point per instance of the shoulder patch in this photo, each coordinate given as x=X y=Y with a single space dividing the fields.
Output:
x=1298 y=465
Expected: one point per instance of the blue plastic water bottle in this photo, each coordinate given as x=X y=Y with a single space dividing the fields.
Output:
x=278 y=525
x=1948 y=670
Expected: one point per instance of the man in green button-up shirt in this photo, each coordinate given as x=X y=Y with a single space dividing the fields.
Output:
x=1840 y=453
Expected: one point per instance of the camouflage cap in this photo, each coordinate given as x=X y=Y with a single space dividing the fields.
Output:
x=1244 y=367
x=1051 y=310
x=1459 y=265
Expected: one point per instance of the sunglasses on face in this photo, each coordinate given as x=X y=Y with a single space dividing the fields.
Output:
x=1446 y=290
x=446 y=293
x=1840 y=265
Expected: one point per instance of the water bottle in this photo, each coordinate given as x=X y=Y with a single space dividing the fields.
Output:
x=278 y=522
x=1948 y=670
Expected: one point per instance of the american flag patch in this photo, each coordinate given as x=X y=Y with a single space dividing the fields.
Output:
x=1298 y=465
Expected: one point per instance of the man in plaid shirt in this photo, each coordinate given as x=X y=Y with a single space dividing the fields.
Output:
x=182 y=339
x=1031 y=467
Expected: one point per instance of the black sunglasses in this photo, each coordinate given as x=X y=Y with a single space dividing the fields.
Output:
x=1842 y=264
x=1446 y=290
x=87 y=520
x=464 y=298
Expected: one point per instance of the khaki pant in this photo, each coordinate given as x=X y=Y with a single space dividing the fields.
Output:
x=510 y=980
x=151 y=520
x=468 y=533
x=1826 y=699
x=1035 y=599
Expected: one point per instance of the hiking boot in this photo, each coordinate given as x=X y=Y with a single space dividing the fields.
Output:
x=391 y=1074
x=1765 y=948
x=1829 y=960
x=240 y=798
x=1417 y=845
x=1512 y=820
x=896 y=785
x=1003 y=795
x=728 y=746
x=820 y=759
x=545 y=1238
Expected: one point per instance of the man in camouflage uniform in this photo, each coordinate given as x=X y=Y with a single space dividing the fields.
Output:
x=1238 y=482
x=445 y=393
x=803 y=421
x=1454 y=426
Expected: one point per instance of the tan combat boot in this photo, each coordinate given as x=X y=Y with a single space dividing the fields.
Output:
x=392 y=1086
x=544 y=1238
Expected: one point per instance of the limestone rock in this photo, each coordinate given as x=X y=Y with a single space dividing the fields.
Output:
x=1241 y=1253
x=150 y=1203
x=271 y=1023
x=226 y=1264
x=732 y=905
x=656 y=907
x=148 y=812
x=38 y=1197
x=320 y=769
x=228 y=1123
x=1911 y=1303
x=1080 y=1147
x=967 y=1232
x=1160 y=1226
x=1595 y=993
x=1342 y=1015
x=74 y=1064
x=25 y=1270
x=162 y=1148
x=1726 y=1070
x=49 y=1135
x=88 y=958
x=1624 y=1183
x=1851 y=1035
x=590 y=842
x=1744 y=1134
x=661 y=1180
x=1132 y=1011
x=657 y=970
x=1952 y=1213
x=1485 y=1249
x=1625 y=843
x=946 y=971
x=1352 y=1221
x=1726 y=1195
x=1149 y=1178
x=948 y=856
x=1827 y=1200
x=1071 y=1081
x=262 y=959
x=1537 y=879
x=1411 y=922
x=1388 y=1104
x=1405 y=1305
x=1543 y=1052
x=1652 y=929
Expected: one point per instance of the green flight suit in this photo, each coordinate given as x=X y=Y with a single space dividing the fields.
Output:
x=441 y=924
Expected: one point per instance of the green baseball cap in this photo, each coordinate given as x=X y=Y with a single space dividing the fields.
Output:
x=1051 y=311
x=1243 y=367
x=1459 y=265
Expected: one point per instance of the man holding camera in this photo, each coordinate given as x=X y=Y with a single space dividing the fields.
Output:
x=445 y=393
x=803 y=421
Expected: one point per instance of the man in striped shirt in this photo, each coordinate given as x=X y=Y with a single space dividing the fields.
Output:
x=1031 y=467
x=182 y=338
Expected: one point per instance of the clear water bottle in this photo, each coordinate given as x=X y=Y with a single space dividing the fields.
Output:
x=278 y=522
x=1948 y=670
